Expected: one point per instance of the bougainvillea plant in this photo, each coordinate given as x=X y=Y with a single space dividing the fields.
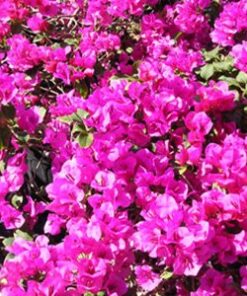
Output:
x=123 y=147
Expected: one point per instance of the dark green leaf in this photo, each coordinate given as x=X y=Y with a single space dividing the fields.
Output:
x=8 y=111
x=5 y=135
x=78 y=128
x=82 y=88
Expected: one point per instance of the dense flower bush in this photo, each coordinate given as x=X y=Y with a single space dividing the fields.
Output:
x=123 y=147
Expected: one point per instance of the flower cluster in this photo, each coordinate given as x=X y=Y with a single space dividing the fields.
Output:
x=123 y=147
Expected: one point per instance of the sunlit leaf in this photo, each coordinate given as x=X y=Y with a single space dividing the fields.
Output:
x=23 y=235
x=212 y=54
x=166 y=275
x=85 y=139
x=242 y=77
x=17 y=200
x=207 y=71
x=8 y=241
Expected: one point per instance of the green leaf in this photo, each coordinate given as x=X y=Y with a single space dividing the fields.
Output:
x=17 y=201
x=82 y=88
x=207 y=71
x=75 y=117
x=82 y=113
x=166 y=275
x=8 y=241
x=23 y=138
x=71 y=41
x=38 y=38
x=85 y=139
x=2 y=166
x=182 y=169
x=22 y=234
x=55 y=45
x=230 y=80
x=42 y=112
x=67 y=119
x=21 y=135
x=224 y=65
x=9 y=257
x=242 y=77
x=178 y=35
x=124 y=77
x=101 y=293
x=78 y=128
x=245 y=91
x=212 y=54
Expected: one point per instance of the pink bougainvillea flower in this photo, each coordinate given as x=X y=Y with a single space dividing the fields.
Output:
x=135 y=114
x=23 y=55
x=146 y=278
x=216 y=97
x=37 y=24
x=239 y=53
x=232 y=20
